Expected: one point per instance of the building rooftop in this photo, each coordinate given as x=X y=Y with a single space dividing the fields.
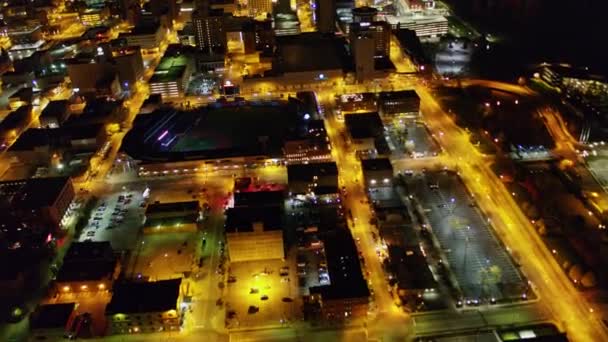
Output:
x=312 y=51
x=170 y=68
x=410 y=268
x=409 y=41
x=346 y=279
x=160 y=208
x=140 y=297
x=16 y=118
x=55 y=137
x=323 y=216
x=364 y=125
x=412 y=19
x=90 y=131
x=33 y=193
x=393 y=95
x=24 y=94
x=168 y=75
x=96 y=111
x=259 y=198
x=221 y=130
x=88 y=261
x=29 y=258
x=307 y=172
x=35 y=137
x=144 y=27
x=172 y=214
x=383 y=198
x=52 y=316
x=89 y=270
x=242 y=219
x=56 y=109
x=377 y=164
x=89 y=250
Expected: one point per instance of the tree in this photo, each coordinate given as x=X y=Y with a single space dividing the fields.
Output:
x=588 y=280
x=576 y=272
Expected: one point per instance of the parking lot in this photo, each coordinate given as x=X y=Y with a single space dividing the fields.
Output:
x=117 y=217
x=262 y=293
x=164 y=255
x=598 y=166
x=411 y=139
x=482 y=267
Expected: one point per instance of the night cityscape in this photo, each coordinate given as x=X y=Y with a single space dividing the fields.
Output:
x=303 y=170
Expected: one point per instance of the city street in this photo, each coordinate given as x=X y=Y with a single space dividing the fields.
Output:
x=568 y=307
x=351 y=177
x=504 y=273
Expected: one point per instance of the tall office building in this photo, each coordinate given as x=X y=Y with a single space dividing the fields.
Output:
x=209 y=31
x=364 y=14
x=130 y=11
x=264 y=35
x=326 y=16
x=363 y=51
x=380 y=31
x=257 y=7
x=165 y=7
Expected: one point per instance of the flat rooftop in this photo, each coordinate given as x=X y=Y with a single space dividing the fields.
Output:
x=259 y=198
x=56 y=108
x=89 y=250
x=164 y=208
x=33 y=193
x=242 y=219
x=385 y=198
x=416 y=19
x=55 y=137
x=398 y=95
x=52 y=316
x=144 y=27
x=364 y=125
x=377 y=164
x=87 y=270
x=346 y=279
x=312 y=51
x=217 y=131
x=410 y=268
x=170 y=68
x=141 y=297
x=307 y=172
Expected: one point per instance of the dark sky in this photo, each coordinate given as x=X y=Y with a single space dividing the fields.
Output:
x=561 y=30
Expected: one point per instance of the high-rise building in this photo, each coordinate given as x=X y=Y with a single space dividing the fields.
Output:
x=170 y=8
x=282 y=6
x=363 y=51
x=257 y=7
x=130 y=11
x=380 y=31
x=209 y=29
x=35 y=205
x=364 y=14
x=326 y=16
x=264 y=35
